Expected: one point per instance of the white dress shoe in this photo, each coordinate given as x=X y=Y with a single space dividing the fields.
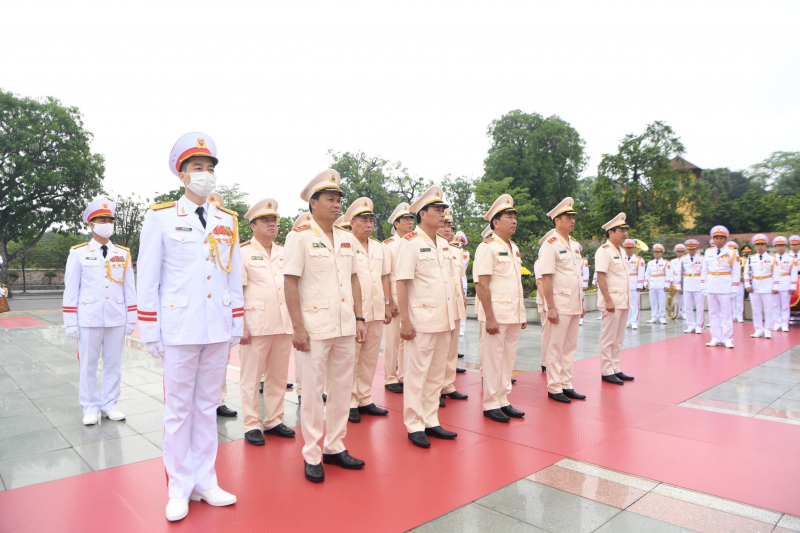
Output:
x=689 y=330
x=757 y=335
x=776 y=328
x=785 y=329
x=114 y=415
x=699 y=331
x=634 y=326
x=177 y=509
x=214 y=496
x=91 y=419
x=767 y=335
x=740 y=320
x=714 y=342
x=729 y=343
x=651 y=321
x=663 y=321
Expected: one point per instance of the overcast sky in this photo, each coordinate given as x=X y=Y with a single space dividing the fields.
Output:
x=278 y=84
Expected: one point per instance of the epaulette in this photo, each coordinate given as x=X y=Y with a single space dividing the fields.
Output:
x=343 y=229
x=303 y=227
x=276 y=242
x=572 y=238
x=488 y=240
x=374 y=239
x=410 y=236
x=387 y=241
x=512 y=242
x=79 y=245
x=229 y=211
x=456 y=244
x=551 y=240
x=124 y=248
x=245 y=243
x=604 y=246
x=162 y=205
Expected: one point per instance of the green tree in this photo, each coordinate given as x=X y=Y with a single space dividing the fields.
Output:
x=128 y=222
x=459 y=192
x=719 y=182
x=780 y=172
x=51 y=251
x=47 y=170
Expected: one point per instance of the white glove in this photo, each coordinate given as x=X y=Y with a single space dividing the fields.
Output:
x=156 y=349
x=129 y=328
x=234 y=341
x=74 y=332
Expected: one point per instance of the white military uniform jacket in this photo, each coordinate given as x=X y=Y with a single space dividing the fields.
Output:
x=372 y=265
x=658 y=274
x=188 y=297
x=786 y=272
x=91 y=298
x=721 y=272
x=691 y=267
x=676 y=270
x=635 y=271
x=585 y=273
x=760 y=273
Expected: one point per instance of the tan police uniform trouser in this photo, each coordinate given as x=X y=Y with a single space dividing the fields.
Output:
x=266 y=355
x=426 y=359
x=611 y=340
x=331 y=358
x=366 y=360
x=498 y=353
x=561 y=351
x=449 y=384
x=393 y=358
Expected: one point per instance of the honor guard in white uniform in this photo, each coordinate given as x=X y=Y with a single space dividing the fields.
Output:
x=636 y=270
x=720 y=278
x=677 y=276
x=560 y=263
x=613 y=298
x=402 y=221
x=691 y=289
x=541 y=306
x=657 y=277
x=794 y=245
x=737 y=299
x=460 y=308
x=425 y=297
x=759 y=281
x=190 y=313
x=99 y=310
x=324 y=298
x=267 y=340
x=785 y=284
x=498 y=265
x=376 y=305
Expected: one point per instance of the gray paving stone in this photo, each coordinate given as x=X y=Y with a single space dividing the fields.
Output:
x=627 y=522
x=14 y=425
x=41 y=467
x=156 y=437
x=7 y=383
x=110 y=453
x=32 y=442
x=144 y=404
x=16 y=406
x=146 y=422
x=56 y=403
x=66 y=417
x=474 y=518
x=37 y=392
x=79 y=434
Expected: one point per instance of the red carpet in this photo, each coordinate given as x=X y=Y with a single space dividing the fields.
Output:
x=20 y=322
x=636 y=428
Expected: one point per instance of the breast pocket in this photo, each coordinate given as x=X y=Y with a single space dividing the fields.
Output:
x=426 y=263
x=173 y=313
x=424 y=310
x=257 y=269
x=345 y=259
x=91 y=270
x=182 y=246
x=503 y=265
x=316 y=315
x=503 y=306
x=320 y=259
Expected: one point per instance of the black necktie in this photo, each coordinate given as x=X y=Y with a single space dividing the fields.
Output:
x=199 y=212
x=105 y=250
x=718 y=249
x=760 y=257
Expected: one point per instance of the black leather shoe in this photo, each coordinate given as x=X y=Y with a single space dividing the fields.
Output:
x=261 y=387
x=282 y=431
x=613 y=379
x=289 y=385
x=441 y=402
x=461 y=356
x=570 y=393
x=224 y=410
x=354 y=416
x=560 y=397
x=254 y=437
x=324 y=397
x=342 y=459
x=513 y=380
x=455 y=395
x=315 y=473
x=497 y=415
x=511 y=412
x=372 y=410
x=438 y=432
x=396 y=388
x=418 y=438
x=544 y=369
x=624 y=377
x=460 y=370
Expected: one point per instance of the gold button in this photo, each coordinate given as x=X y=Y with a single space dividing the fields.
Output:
x=342 y=299
x=172 y=305
x=279 y=288
x=375 y=294
x=208 y=277
x=315 y=307
x=281 y=303
x=205 y=241
x=106 y=297
x=209 y=296
x=106 y=286
x=423 y=305
x=252 y=308
x=206 y=258
x=182 y=239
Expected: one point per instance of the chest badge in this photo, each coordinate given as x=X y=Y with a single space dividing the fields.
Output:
x=257 y=257
x=345 y=245
x=318 y=245
x=424 y=249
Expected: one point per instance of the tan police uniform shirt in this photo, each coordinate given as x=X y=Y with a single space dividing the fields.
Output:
x=561 y=258
x=324 y=269
x=429 y=270
x=611 y=260
x=372 y=264
x=265 y=311
x=390 y=246
x=502 y=261
x=458 y=273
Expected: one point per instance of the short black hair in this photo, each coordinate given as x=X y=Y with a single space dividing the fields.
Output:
x=394 y=224
x=420 y=211
x=496 y=217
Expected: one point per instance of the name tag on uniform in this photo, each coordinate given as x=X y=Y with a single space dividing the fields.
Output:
x=424 y=249
x=90 y=258
x=503 y=253
x=318 y=245
x=257 y=257
x=562 y=251
x=179 y=228
x=616 y=257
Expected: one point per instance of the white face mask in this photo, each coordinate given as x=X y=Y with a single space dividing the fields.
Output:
x=103 y=230
x=203 y=183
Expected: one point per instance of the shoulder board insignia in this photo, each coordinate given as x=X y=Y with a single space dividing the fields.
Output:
x=276 y=242
x=490 y=239
x=374 y=239
x=229 y=211
x=79 y=245
x=572 y=239
x=551 y=240
x=343 y=229
x=455 y=245
x=303 y=227
x=245 y=243
x=605 y=246
x=387 y=241
x=512 y=242
x=410 y=236
x=162 y=205
x=123 y=248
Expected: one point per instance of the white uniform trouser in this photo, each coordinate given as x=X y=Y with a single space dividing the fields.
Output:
x=762 y=303
x=393 y=359
x=225 y=380
x=720 y=316
x=268 y=356
x=633 y=315
x=449 y=383
x=329 y=365
x=193 y=375
x=679 y=301
x=498 y=353
x=780 y=317
x=658 y=304
x=693 y=300
x=611 y=340
x=738 y=304
x=563 y=341
x=426 y=359
x=364 y=364
x=92 y=341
